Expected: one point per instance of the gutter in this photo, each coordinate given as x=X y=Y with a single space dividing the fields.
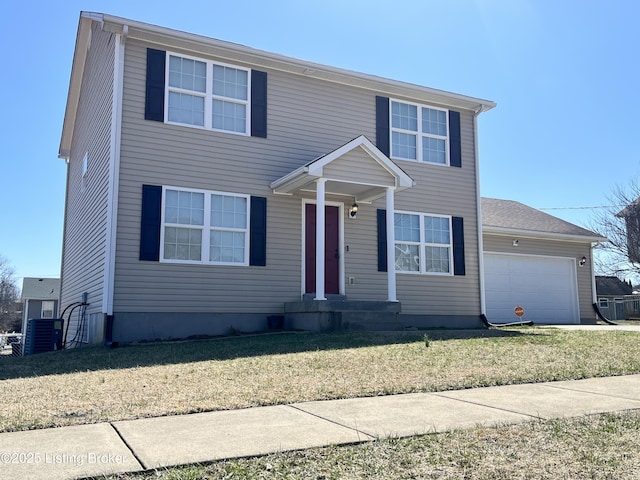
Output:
x=506 y=232
x=233 y=51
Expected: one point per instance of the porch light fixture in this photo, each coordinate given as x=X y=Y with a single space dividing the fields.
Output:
x=583 y=261
x=354 y=210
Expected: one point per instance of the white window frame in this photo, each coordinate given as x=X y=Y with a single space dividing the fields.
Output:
x=603 y=302
x=48 y=303
x=422 y=244
x=208 y=95
x=419 y=134
x=206 y=228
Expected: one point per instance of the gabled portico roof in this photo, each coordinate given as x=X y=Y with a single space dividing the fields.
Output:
x=357 y=169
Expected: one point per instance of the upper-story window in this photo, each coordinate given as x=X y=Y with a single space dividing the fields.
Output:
x=423 y=243
x=205 y=227
x=419 y=133
x=208 y=95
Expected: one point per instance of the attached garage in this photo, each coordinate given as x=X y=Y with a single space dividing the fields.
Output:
x=545 y=287
x=538 y=262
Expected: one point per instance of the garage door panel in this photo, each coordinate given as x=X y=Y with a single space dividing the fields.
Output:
x=545 y=287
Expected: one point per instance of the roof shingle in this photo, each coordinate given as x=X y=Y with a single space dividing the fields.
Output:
x=509 y=214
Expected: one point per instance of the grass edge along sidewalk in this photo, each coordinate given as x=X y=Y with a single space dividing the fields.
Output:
x=597 y=447
x=95 y=384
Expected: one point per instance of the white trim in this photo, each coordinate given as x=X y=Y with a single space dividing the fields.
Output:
x=593 y=278
x=391 y=247
x=419 y=134
x=205 y=228
x=422 y=268
x=244 y=54
x=207 y=95
x=114 y=176
x=483 y=304
x=53 y=308
x=320 y=241
x=301 y=177
x=502 y=231
x=557 y=257
x=341 y=267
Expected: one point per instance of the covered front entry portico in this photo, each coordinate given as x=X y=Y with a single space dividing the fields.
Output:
x=360 y=172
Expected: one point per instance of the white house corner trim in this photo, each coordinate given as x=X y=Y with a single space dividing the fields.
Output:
x=114 y=175
x=483 y=305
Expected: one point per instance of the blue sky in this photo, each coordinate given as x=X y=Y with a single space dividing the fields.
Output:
x=565 y=75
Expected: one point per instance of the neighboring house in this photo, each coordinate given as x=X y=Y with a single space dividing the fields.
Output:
x=616 y=298
x=538 y=262
x=631 y=215
x=196 y=168
x=39 y=298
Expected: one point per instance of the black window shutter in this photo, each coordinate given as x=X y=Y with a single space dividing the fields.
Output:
x=258 y=104
x=382 y=240
x=455 y=144
x=154 y=100
x=150 y=223
x=382 y=125
x=457 y=226
x=258 y=232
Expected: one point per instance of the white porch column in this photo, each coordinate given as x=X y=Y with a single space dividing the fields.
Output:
x=320 y=192
x=391 y=248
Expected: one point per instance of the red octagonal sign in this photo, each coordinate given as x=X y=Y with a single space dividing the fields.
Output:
x=519 y=311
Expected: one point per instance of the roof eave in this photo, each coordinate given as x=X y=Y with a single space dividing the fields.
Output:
x=75 y=83
x=543 y=235
x=177 y=39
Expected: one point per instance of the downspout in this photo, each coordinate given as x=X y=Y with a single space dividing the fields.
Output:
x=114 y=173
x=594 y=293
x=483 y=309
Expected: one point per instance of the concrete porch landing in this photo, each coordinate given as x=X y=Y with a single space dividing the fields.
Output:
x=338 y=314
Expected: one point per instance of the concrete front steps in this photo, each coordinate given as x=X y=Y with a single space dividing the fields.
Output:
x=339 y=314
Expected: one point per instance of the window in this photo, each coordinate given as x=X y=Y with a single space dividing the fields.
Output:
x=47 y=309
x=419 y=133
x=208 y=95
x=603 y=303
x=200 y=226
x=423 y=243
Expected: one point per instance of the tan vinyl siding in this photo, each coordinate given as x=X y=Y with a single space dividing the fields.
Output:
x=85 y=217
x=552 y=248
x=448 y=191
x=368 y=170
x=307 y=118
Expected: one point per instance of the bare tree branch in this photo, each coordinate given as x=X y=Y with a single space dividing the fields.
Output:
x=9 y=296
x=615 y=257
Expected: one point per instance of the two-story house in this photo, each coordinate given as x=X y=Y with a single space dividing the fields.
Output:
x=212 y=185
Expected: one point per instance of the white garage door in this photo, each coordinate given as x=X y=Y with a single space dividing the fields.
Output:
x=546 y=287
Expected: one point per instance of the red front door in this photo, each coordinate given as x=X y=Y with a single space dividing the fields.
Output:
x=331 y=249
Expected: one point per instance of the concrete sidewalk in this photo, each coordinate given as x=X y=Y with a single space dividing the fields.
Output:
x=128 y=446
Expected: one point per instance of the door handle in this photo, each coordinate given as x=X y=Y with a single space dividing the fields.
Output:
x=337 y=254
